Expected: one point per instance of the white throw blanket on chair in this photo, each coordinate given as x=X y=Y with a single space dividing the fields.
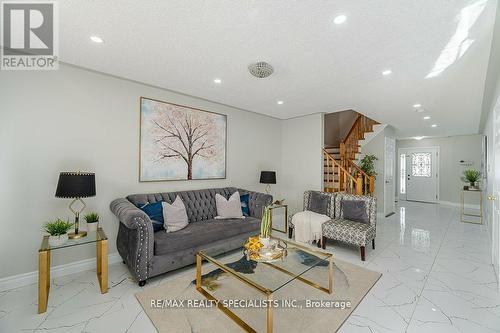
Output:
x=307 y=226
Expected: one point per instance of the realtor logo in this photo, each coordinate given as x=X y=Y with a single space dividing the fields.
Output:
x=29 y=36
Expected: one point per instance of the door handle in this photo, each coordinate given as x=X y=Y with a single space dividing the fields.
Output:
x=492 y=197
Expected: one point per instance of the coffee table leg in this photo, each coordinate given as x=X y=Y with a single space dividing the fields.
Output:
x=330 y=275
x=198 y=271
x=269 y=313
x=43 y=280
x=102 y=264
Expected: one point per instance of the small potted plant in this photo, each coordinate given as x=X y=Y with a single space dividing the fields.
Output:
x=58 y=231
x=92 y=220
x=265 y=227
x=472 y=176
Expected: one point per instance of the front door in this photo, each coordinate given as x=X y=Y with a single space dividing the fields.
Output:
x=389 y=166
x=421 y=174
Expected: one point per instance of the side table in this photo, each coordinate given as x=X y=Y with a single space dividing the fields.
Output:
x=463 y=214
x=276 y=215
x=98 y=237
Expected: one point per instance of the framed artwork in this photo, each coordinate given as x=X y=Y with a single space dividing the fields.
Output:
x=180 y=143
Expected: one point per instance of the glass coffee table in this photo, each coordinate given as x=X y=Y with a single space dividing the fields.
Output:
x=98 y=237
x=267 y=277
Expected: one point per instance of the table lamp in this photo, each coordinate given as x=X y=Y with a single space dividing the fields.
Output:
x=268 y=177
x=76 y=185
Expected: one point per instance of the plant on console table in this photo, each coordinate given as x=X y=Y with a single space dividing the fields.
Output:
x=92 y=220
x=265 y=227
x=472 y=176
x=58 y=231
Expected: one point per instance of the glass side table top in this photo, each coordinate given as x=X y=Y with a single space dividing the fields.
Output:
x=299 y=260
x=92 y=237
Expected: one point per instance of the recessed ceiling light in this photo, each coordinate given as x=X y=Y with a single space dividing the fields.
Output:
x=217 y=81
x=417 y=105
x=280 y=102
x=387 y=72
x=427 y=117
x=418 y=137
x=339 y=19
x=97 y=39
x=434 y=125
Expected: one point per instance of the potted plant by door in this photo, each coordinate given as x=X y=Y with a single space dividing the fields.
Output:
x=92 y=220
x=58 y=231
x=472 y=176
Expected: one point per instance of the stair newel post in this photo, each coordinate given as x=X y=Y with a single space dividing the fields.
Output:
x=359 y=184
x=372 y=184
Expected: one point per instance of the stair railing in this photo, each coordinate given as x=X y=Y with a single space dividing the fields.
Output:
x=346 y=181
x=368 y=182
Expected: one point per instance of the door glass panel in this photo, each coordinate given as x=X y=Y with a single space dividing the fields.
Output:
x=402 y=173
x=421 y=164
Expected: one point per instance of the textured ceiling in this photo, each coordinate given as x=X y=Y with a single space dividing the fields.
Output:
x=437 y=50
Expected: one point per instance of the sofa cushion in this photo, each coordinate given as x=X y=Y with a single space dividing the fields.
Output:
x=245 y=204
x=228 y=208
x=355 y=233
x=155 y=212
x=203 y=233
x=175 y=215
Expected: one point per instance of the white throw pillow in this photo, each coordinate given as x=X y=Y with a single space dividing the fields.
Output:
x=174 y=215
x=228 y=209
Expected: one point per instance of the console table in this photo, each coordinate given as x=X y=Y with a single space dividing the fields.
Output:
x=98 y=237
x=463 y=214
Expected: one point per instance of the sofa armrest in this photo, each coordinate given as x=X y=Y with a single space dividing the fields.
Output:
x=139 y=231
x=257 y=202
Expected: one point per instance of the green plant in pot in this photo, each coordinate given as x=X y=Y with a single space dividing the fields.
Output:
x=265 y=227
x=92 y=220
x=367 y=164
x=471 y=176
x=58 y=231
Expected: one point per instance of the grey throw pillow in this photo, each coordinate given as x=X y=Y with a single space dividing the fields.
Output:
x=355 y=210
x=318 y=203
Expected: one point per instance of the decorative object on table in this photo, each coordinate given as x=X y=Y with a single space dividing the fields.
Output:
x=368 y=165
x=58 y=231
x=76 y=185
x=92 y=220
x=279 y=220
x=181 y=143
x=265 y=227
x=256 y=251
x=268 y=177
x=279 y=202
x=471 y=217
x=472 y=176
x=44 y=254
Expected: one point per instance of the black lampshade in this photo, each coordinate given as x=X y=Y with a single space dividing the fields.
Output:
x=76 y=185
x=268 y=177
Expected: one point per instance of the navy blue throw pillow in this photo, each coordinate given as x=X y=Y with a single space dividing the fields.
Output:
x=245 y=204
x=155 y=212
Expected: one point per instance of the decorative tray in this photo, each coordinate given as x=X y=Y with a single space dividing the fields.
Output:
x=274 y=252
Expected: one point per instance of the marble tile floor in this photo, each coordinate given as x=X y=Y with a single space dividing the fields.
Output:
x=437 y=277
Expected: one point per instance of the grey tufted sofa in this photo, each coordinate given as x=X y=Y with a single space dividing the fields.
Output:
x=149 y=253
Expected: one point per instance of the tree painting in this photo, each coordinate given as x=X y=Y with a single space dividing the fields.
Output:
x=179 y=143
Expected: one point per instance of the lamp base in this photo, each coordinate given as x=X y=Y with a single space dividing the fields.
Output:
x=80 y=234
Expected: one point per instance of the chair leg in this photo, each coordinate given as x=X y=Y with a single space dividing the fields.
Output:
x=362 y=250
x=323 y=242
x=373 y=243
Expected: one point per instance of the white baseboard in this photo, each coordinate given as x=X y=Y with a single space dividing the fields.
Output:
x=457 y=204
x=20 y=280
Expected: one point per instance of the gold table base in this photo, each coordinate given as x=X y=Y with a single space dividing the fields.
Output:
x=44 y=268
x=200 y=256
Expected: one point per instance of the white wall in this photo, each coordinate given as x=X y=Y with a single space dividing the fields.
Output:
x=452 y=150
x=74 y=119
x=377 y=147
x=301 y=158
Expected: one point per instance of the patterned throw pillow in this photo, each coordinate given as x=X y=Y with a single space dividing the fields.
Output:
x=354 y=210
x=175 y=215
x=155 y=212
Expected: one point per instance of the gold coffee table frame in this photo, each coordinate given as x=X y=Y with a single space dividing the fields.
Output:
x=200 y=256
x=44 y=265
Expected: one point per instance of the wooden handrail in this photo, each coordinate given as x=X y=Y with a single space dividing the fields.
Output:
x=354 y=126
x=346 y=181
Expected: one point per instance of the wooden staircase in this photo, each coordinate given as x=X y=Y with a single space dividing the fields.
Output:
x=341 y=173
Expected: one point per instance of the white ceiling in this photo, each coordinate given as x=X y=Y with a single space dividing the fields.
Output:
x=183 y=45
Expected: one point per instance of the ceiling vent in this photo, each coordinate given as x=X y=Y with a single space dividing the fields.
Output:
x=260 y=69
